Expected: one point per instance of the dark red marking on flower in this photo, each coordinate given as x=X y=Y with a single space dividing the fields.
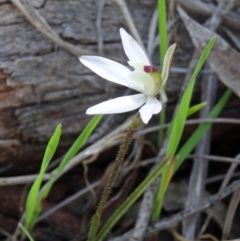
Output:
x=150 y=69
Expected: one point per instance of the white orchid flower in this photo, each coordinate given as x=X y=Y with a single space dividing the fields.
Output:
x=145 y=79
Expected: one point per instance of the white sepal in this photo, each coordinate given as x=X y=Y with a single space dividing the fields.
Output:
x=167 y=63
x=152 y=106
x=118 y=105
x=107 y=69
x=132 y=49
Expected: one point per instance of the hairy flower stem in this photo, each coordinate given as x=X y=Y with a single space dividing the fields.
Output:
x=112 y=177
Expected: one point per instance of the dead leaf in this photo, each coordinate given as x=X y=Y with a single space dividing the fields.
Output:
x=223 y=59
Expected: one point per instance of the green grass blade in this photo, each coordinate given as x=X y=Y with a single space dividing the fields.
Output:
x=74 y=149
x=132 y=199
x=24 y=230
x=163 y=46
x=31 y=203
x=201 y=130
x=35 y=207
x=177 y=128
x=77 y=145
x=181 y=116
x=192 y=110
x=162 y=28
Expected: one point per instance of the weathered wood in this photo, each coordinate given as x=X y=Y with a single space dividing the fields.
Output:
x=41 y=84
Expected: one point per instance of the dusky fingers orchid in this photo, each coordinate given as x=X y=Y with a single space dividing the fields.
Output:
x=145 y=79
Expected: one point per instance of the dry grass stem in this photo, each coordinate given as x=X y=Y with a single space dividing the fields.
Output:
x=216 y=158
x=230 y=214
x=67 y=201
x=100 y=7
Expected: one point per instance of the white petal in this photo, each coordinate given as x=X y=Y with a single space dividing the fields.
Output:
x=118 y=105
x=107 y=69
x=132 y=49
x=136 y=66
x=142 y=78
x=167 y=63
x=152 y=106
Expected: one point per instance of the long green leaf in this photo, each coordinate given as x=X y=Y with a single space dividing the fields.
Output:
x=77 y=145
x=163 y=46
x=162 y=29
x=192 y=110
x=178 y=126
x=132 y=199
x=181 y=116
x=31 y=202
x=74 y=149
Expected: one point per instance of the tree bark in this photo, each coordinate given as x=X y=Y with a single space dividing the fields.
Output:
x=42 y=84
